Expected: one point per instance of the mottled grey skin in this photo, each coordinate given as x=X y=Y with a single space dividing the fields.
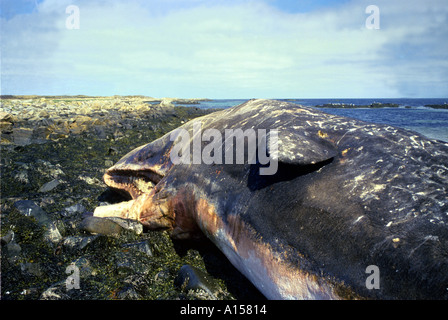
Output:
x=347 y=194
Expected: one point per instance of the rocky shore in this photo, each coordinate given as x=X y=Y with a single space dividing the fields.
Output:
x=25 y=120
x=54 y=151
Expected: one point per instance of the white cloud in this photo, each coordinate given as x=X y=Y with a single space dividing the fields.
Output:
x=227 y=49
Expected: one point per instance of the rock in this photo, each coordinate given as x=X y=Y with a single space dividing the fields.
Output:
x=112 y=151
x=7 y=117
x=48 y=169
x=127 y=224
x=13 y=250
x=128 y=293
x=76 y=243
x=55 y=292
x=76 y=208
x=191 y=278
x=128 y=263
x=33 y=269
x=83 y=120
x=100 y=132
x=49 y=185
x=30 y=292
x=103 y=226
x=187 y=101
x=22 y=177
x=22 y=136
x=90 y=181
x=118 y=134
x=6 y=139
x=142 y=246
x=6 y=127
x=108 y=163
x=437 y=106
x=7 y=238
x=84 y=266
x=31 y=209
x=167 y=103
x=77 y=129
x=53 y=233
x=134 y=286
x=40 y=134
x=43 y=114
x=46 y=201
x=162 y=276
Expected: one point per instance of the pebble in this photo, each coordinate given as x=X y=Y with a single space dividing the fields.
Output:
x=30 y=268
x=127 y=224
x=56 y=292
x=84 y=266
x=112 y=151
x=22 y=136
x=7 y=238
x=48 y=169
x=142 y=246
x=128 y=293
x=129 y=264
x=30 y=209
x=22 y=177
x=78 y=242
x=6 y=117
x=76 y=208
x=191 y=278
x=108 y=163
x=102 y=226
x=49 y=185
x=91 y=181
x=11 y=248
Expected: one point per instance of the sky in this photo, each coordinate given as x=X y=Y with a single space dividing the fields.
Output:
x=225 y=49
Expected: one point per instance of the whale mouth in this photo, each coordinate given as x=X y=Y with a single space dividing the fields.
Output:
x=140 y=199
x=125 y=186
x=131 y=182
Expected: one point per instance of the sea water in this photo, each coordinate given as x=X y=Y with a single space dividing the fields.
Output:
x=412 y=114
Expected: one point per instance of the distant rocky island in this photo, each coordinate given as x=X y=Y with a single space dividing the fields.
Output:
x=81 y=97
x=375 y=105
x=437 y=106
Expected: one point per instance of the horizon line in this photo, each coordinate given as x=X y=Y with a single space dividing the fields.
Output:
x=209 y=98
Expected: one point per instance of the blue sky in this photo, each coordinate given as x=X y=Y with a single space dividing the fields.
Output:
x=298 y=6
x=225 y=49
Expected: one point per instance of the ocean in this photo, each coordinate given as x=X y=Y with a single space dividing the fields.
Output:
x=411 y=114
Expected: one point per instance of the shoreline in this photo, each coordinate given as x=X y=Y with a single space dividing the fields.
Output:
x=196 y=101
x=30 y=119
x=50 y=118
